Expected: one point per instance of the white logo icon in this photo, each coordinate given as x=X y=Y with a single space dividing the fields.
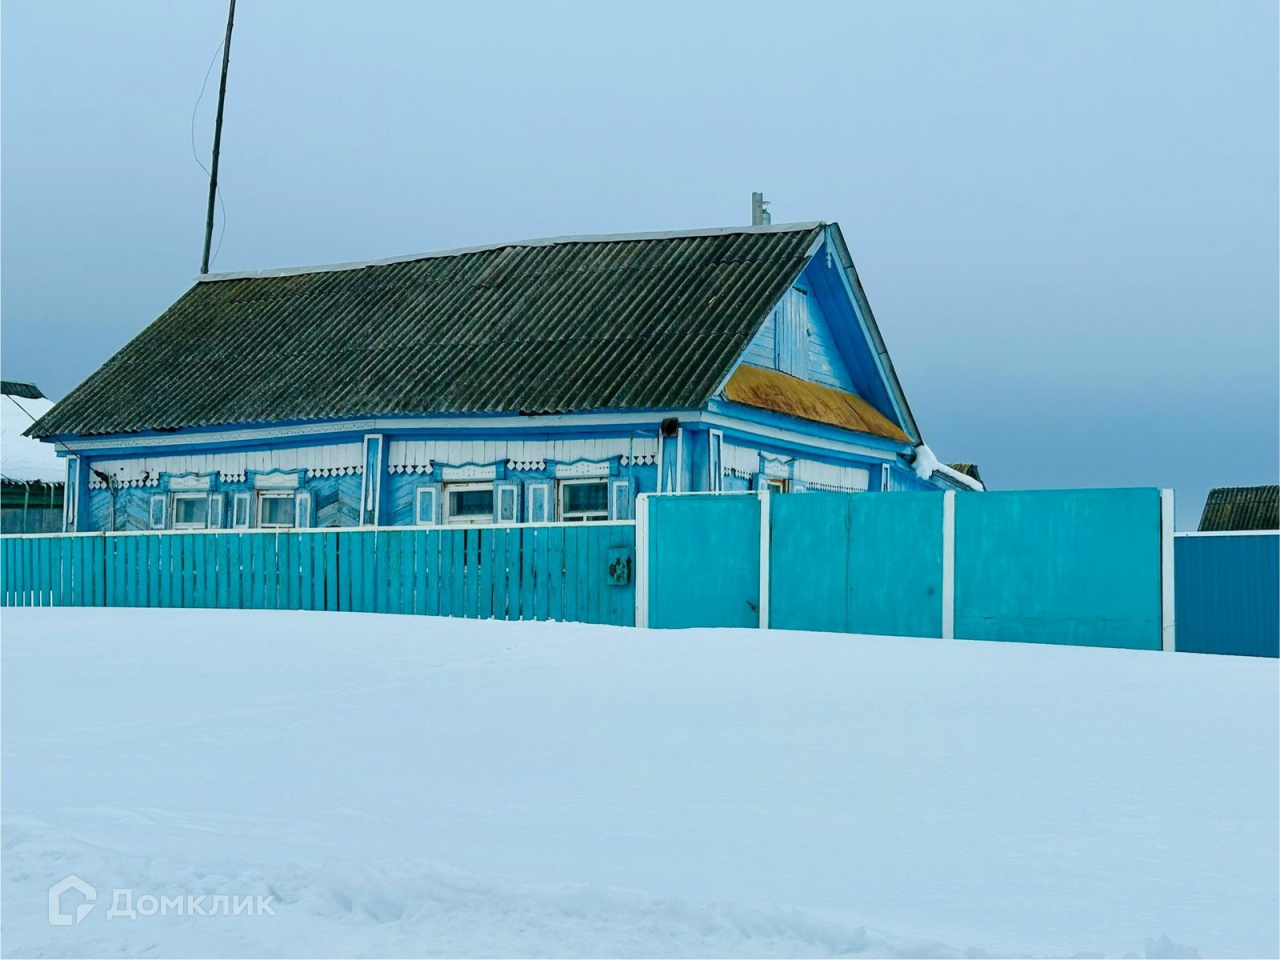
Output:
x=56 y=916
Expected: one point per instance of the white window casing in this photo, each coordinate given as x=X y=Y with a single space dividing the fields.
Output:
x=190 y=511
x=467 y=503
x=277 y=509
x=584 y=500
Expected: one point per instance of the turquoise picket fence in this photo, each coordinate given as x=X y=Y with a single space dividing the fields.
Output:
x=578 y=572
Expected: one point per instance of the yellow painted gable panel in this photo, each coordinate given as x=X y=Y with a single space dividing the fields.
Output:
x=771 y=390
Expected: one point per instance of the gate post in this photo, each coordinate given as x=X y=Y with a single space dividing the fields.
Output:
x=765 y=538
x=1168 y=622
x=642 y=560
x=949 y=565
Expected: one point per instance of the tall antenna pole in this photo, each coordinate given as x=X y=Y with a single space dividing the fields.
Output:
x=217 y=139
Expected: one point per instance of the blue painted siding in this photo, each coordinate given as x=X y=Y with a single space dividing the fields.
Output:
x=1228 y=594
x=132 y=508
x=797 y=339
x=1059 y=566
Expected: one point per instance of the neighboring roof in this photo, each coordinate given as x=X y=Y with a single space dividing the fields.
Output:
x=968 y=469
x=639 y=322
x=1242 y=508
x=23 y=460
x=20 y=388
x=782 y=393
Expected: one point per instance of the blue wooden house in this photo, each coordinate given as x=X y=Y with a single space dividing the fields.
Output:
x=542 y=381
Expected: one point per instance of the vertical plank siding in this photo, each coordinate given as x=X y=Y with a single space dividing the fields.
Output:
x=1228 y=593
x=506 y=573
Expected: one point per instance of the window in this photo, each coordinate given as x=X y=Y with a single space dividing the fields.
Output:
x=276 y=509
x=775 y=485
x=190 y=510
x=468 y=503
x=584 y=500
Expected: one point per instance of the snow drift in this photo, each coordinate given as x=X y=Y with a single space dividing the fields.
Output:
x=416 y=786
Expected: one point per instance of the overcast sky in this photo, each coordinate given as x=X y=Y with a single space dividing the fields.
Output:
x=1065 y=215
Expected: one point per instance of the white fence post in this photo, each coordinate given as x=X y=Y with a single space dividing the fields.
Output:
x=1168 y=621
x=764 y=558
x=642 y=560
x=949 y=565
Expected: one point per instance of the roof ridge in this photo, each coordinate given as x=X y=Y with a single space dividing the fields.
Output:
x=482 y=248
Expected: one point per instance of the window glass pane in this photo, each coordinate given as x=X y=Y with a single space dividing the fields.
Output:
x=276 y=512
x=586 y=497
x=471 y=503
x=191 y=510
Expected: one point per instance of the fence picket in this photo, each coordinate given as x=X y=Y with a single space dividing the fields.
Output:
x=516 y=572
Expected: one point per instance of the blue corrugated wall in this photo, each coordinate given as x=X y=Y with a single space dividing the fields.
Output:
x=1228 y=594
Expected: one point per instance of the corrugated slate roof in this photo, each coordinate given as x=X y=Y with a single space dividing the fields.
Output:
x=551 y=327
x=20 y=388
x=1242 y=508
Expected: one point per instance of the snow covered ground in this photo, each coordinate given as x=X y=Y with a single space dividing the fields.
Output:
x=413 y=786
